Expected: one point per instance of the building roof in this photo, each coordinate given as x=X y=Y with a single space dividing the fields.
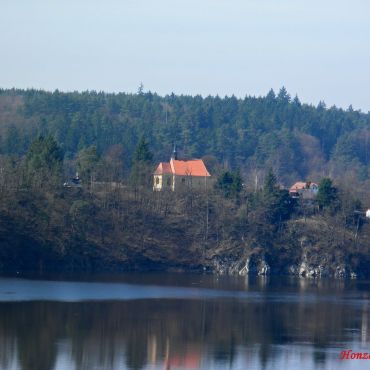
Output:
x=163 y=167
x=302 y=185
x=194 y=167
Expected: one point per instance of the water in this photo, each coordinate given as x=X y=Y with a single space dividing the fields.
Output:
x=180 y=321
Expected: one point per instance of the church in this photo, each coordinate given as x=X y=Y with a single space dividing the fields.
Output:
x=176 y=174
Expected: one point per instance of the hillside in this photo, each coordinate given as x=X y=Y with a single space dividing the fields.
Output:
x=121 y=230
x=253 y=148
x=297 y=140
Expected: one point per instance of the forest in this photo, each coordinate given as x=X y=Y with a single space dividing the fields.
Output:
x=255 y=148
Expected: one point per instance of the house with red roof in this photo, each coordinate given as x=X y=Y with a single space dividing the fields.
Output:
x=177 y=174
x=304 y=190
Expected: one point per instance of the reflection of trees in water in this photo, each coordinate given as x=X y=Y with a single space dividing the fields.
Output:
x=7 y=351
x=103 y=334
x=33 y=335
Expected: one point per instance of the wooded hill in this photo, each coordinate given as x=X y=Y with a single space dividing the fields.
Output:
x=116 y=222
x=298 y=141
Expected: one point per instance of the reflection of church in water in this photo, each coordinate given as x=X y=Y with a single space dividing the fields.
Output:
x=188 y=358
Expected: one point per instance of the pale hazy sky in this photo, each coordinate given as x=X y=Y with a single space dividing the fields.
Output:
x=319 y=49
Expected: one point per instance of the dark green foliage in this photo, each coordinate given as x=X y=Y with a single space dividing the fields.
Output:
x=44 y=161
x=327 y=194
x=277 y=202
x=252 y=132
x=141 y=172
x=283 y=96
x=124 y=223
x=229 y=183
x=12 y=142
x=270 y=186
x=280 y=206
x=44 y=152
x=87 y=162
x=132 y=227
x=142 y=152
x=353 y=148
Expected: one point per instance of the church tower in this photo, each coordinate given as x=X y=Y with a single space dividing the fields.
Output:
x=174 y=153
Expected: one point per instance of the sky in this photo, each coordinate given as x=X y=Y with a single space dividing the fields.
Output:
x=317 y=49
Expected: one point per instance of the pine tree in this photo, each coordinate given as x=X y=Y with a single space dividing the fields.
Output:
x=327 y=193
x=270 y=186
x=230 y=183
x=277 y=202
x=44 y=162
x=87 y=162
x=142 y=152
x=283 y=95
x=141 y=172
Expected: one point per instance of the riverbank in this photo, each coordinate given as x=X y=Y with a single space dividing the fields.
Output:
x=79 y=230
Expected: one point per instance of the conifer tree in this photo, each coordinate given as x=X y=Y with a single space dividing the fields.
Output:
x=142 y=152
x=270 y=185
x=327 y=193
x=44 y=162
x=87 y=162
x=141 y=172
x=278 y=204
x=230 y=183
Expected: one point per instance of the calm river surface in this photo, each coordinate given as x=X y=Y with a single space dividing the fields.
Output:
x=181 y=321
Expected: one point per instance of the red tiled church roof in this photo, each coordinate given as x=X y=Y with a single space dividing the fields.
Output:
x=163 y=167
x=301 y=185
x=194 y=167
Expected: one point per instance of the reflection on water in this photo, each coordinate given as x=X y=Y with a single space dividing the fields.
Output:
x=307 y=330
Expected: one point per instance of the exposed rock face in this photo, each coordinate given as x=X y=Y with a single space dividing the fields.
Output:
x=305 y=270
x=314 y=266
x=258 y=266
x=344 y=271
x=264 y=268
x=310 y=270
x=340 y=271
x=308 y=262
x=252 y=265
x=245 y=270
x=226 y=265
x=255 y=266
